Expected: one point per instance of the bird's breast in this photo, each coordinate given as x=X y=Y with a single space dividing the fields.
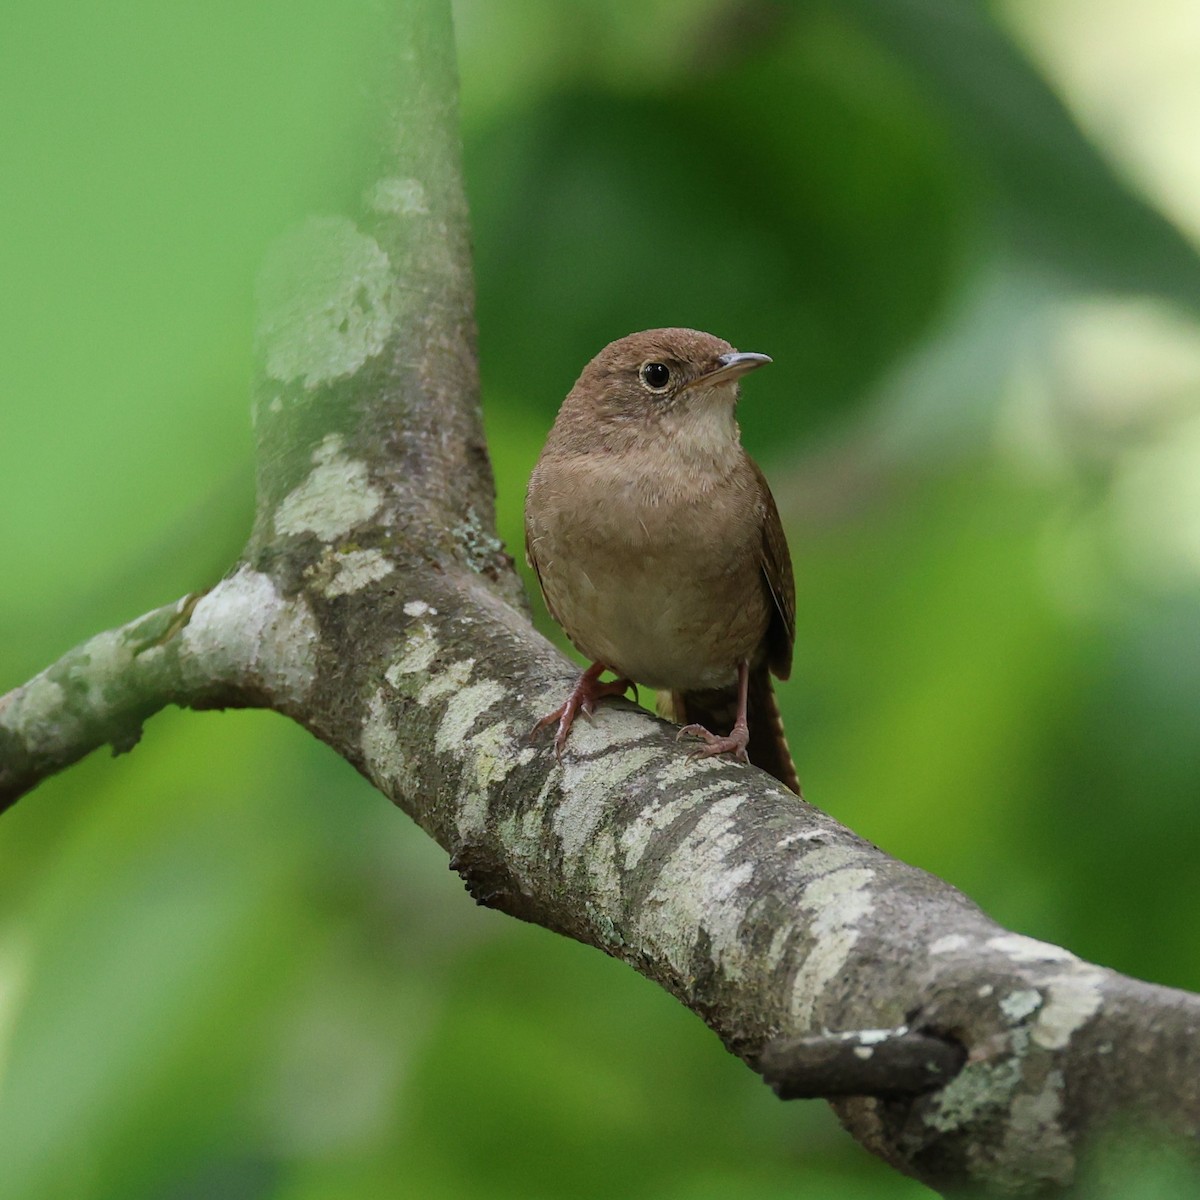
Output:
x=659 y=578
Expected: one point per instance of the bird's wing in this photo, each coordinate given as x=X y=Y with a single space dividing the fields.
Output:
x=777 y=572
x=531 y=559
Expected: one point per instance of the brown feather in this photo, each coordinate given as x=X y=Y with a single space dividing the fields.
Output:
x=532 y=562
x=777 y=571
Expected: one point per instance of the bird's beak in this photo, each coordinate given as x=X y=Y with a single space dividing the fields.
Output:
x=733 y=365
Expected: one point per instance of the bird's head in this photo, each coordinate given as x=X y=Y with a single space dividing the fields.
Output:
x=676 y=385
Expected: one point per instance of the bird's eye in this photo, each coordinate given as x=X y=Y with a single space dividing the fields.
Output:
x=656 y=375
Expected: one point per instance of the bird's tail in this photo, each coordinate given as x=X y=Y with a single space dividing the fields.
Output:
x=716 y=710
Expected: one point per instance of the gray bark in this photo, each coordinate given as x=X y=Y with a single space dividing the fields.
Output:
x=375 y=606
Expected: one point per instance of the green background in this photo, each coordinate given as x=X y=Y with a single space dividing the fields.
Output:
x=230 y=969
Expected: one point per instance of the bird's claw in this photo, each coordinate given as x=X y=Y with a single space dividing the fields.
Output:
x=735 y=743
x=582 y=699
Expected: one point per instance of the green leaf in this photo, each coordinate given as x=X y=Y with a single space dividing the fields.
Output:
x=1063 y=205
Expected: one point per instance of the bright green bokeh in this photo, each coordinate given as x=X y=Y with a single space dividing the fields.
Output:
x=227 y=966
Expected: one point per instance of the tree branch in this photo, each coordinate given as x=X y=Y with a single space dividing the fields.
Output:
x=885 y=1063
x=101 y=691
x=237 y=645
x=765 y=917
x=375 y=606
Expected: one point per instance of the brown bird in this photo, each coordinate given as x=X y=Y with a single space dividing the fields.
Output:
x=659 y=548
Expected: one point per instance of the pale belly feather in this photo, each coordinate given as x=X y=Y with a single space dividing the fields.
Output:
x=655 y=593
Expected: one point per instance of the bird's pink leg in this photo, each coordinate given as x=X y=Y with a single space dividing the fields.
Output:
x=582 y=699
x=739 y=735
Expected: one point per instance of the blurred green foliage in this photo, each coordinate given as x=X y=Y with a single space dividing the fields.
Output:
x=227 y=967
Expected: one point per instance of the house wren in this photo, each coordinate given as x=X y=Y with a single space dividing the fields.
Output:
x=659 y=548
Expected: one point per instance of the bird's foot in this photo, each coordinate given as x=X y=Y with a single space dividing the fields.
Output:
x=582 y=699
x=735 y=743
